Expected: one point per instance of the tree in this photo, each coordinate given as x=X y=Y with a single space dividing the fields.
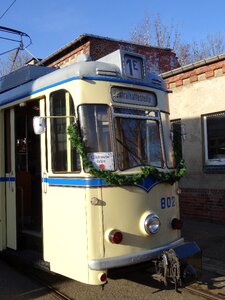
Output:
x=14 y=60
x=211 y=46
x=152 y=32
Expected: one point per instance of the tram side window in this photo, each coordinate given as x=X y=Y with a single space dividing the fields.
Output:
x=64 y=156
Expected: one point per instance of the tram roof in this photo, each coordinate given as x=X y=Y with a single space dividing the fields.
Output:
x=33 y=79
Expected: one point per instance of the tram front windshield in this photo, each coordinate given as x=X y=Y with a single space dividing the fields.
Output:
x=133 y=136
x=137 y=138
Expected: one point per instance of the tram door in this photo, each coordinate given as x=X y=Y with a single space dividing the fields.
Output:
x=11 y=233
x=28 y=179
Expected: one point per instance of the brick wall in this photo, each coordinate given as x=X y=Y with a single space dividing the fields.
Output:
x=68 y=57
x=195 y=74
x=158 y=60
x=203 y=204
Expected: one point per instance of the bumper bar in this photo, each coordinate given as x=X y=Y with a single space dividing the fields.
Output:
x=131 y=259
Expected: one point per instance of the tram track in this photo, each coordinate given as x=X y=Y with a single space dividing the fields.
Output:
x=196 y=291
x=57 y=294
x=54 y=292
x=203 y=293
x=38 y=275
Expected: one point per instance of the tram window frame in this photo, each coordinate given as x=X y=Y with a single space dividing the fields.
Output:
x=101 y=153
x=214 y=142
x=7 y=132
x=152 y=118
x=68 y=161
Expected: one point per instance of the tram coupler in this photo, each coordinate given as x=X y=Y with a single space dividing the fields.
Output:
x=180 y=265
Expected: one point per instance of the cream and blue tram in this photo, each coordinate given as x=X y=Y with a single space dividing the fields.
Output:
x=82 y=225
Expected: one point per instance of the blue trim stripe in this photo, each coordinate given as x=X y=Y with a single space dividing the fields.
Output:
x=7 y=179
x=63 y=181
x=56 y=84
x=40 y=90
x=110 y=79
x=78 y=182
x=147 y=184
x=119 y=80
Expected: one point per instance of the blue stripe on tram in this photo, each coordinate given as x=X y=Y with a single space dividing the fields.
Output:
x=80 y=182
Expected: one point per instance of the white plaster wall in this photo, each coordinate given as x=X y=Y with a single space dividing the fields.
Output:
x=188 y=103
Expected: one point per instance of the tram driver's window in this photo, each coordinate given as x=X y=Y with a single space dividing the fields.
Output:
x=64 y=156
x=94 y=123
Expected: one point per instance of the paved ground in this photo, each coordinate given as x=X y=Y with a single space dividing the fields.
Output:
x=16 y=285
x=211 y=238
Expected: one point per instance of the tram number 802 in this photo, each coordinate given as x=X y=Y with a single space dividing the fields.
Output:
x=167 y=202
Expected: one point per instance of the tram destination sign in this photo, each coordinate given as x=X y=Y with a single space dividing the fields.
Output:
x=133 y=66
x=137 y=97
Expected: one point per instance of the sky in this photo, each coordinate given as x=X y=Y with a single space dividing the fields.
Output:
x=53 y=24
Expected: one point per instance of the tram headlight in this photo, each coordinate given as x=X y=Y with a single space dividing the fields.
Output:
x=152 y=223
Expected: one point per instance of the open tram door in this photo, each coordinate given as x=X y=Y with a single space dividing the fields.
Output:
x=28 y=178
x=23 y=179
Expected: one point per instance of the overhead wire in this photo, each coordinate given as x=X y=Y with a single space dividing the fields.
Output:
x=8 y=39
x=4 y=29
x=21 y=34
x=17 y=32
x=5 y=12
x=9 y=51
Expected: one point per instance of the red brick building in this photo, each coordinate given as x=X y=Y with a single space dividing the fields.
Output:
x=198 y=102
x=158 y=59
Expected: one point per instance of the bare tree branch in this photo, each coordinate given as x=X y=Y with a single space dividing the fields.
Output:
x=153 y=32
x=7 y=63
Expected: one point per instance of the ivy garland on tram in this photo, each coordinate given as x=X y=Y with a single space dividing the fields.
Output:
x=116 y=179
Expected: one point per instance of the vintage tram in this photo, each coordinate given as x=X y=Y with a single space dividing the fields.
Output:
x=87 y=174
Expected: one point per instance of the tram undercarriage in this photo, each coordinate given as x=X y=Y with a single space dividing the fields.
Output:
x=179 y=266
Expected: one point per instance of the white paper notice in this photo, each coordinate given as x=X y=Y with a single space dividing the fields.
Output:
x=102 y=160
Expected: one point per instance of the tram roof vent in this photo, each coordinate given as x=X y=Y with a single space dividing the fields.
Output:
x=22 y=75
x=156 y=80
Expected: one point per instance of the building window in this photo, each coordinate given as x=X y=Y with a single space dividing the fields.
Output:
x=177 y=139
x=214 y=139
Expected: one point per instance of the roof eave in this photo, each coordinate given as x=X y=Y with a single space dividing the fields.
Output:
x=194 y=65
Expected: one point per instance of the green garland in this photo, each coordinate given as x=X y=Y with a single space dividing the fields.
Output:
x=112 y=177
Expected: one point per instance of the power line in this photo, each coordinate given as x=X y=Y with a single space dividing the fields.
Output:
x=19 y=33
x=14 y=31
x=7 y=9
